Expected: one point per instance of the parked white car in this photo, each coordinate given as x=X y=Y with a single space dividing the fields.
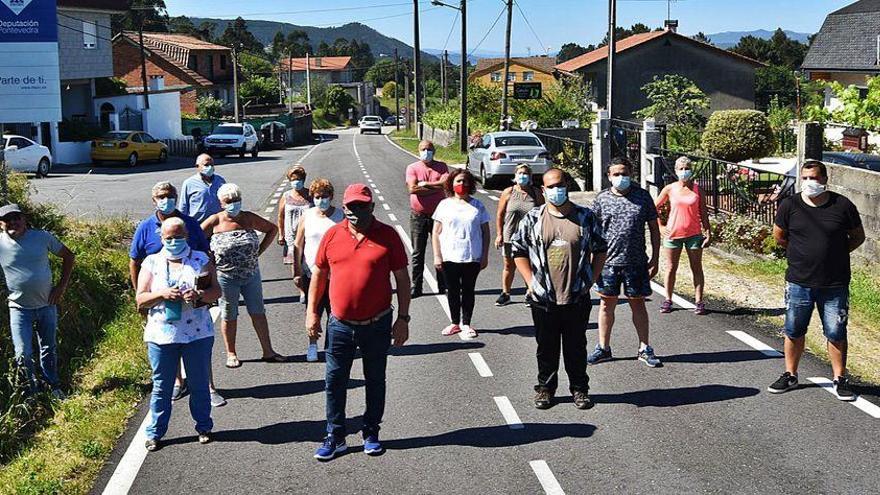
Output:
x=370 y=123
x=499 y=153
x=23 y=155
x=228 y=139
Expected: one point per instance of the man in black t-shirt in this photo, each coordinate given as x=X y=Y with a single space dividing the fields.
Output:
x=819 y=230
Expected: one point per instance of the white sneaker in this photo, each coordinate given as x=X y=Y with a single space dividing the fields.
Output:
x=468 y=332
x=312 y=353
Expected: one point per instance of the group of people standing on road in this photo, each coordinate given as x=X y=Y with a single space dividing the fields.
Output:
x=200 y=248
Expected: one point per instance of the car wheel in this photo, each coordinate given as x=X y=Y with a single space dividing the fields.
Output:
x=163 y=156
x=43 y=168
x=483 y=175
x=256 y=151
x=242 y=151
x=133 y=160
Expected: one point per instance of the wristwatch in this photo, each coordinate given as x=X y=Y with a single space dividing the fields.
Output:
x=405 y=318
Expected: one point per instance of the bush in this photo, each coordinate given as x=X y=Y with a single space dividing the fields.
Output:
x=337 y=102
x=737 y=135
x=746 y=233
x=389 y=90
x=444 y=117
x=209 y=108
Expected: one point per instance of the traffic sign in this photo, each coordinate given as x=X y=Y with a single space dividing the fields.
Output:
x=527 y=91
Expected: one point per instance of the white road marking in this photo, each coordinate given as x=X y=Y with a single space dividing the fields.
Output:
x=545 y=476
x=127 y=469
x=385 y=205
x=273 y=202
x=270 y=210
x=494 y=198
x=281 y=189
x=480 y=364
x=392 y=217
x=482 y=191
x=865 y=406
x=754 y=343
x=509 y=413
x=276 y=195
x=367 y=175
x=684 y=303
x=381 y=198
x=376 y=189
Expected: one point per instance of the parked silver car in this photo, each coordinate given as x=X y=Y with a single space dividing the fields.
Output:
x=370 y=123
x=499 y=153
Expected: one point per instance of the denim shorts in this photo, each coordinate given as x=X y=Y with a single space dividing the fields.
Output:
x=690 y=243
x=832 y=304
x=251 y=289
x=634 y=279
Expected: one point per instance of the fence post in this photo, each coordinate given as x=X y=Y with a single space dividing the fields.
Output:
x=650 y=140
x=601 y=137
x=715 y=195
x=810 y=141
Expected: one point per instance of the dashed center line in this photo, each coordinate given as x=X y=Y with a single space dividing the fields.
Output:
x=494 y=198
x=545 y=476
x=381 y=198
x=392 y=217
x=865 y=406
x=273 y=202
x=480 y=364
x=276 y=195
x=270 y=210
x=385 y=205
x=482 y=191
x=509 y=413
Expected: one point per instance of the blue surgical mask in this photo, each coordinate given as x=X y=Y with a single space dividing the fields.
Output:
x=323 y=204
x=166 y=206
x=298 y=184
x=523 y=179
x=621 y=182
x=208 y=170
x=684 y=174
x=557 y=196
x=233 y=209
x=174 y=247
x=426 y=155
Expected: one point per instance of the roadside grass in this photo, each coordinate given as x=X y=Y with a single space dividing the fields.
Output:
x=49 y=446
x=320 y=120
x=408 y=140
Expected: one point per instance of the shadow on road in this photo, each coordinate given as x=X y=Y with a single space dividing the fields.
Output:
x=424 y=349
x=672 y=397
x=749 y=312
x=717 y=357
x=283 y=390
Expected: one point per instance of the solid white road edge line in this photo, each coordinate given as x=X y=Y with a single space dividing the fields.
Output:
x=494 y=198
x=754 y=343
x=429 y=277
x=865 y=406
x=509 y=413
x=684 y=303
x=545 y=476
x=480 y=364
x=130 y=463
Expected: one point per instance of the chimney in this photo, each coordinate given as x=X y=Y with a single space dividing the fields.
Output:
x=671 y=25
x=157 y=83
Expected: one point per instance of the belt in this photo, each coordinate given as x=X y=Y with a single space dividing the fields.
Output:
x=368 y=321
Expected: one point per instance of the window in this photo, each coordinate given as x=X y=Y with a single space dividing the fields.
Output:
x=496 y=77
x=516 y=141
x=528 y=76
x=149 y=139
x=20 y=142
x=90 y=35
x=511 y=76
x=210 y=60
x=136 y=138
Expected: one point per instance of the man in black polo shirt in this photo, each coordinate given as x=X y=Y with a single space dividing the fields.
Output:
x=819 y=230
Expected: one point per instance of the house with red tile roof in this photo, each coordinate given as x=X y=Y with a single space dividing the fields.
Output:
x=333 y=70
x=726 y=77
x=182 y=63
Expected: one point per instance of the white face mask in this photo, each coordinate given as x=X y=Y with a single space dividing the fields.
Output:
x=426 y=155
x=812 y=188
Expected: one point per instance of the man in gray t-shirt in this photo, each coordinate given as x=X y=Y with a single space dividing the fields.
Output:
x=24 y=257
x=624 y=210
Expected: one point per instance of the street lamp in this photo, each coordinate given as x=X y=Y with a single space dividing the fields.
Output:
x=462 y=127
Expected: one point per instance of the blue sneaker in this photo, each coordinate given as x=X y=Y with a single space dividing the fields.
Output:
x=331 y=448
x=372 y=446
x=312 y=353
x=599 y=355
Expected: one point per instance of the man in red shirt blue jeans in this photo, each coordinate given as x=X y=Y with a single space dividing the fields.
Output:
x=361 y=254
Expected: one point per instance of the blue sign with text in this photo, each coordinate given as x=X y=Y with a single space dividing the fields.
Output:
x=28 y=21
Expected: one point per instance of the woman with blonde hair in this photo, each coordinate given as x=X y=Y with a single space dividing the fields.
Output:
x=291 y=207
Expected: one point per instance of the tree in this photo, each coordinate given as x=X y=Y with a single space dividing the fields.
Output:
x=778 y=50
x=182 y=25
x=337 y=101
x=237 y=35
x=209 y=108
x=361 y=55
x=621 y=32
x=675 y=100
x=259 y=89
x=702 y=38
x=775 y=81
x=155 y=18
x=389 y=90
x=295 y=44
x=382 y=72
x=569 y=51
x=252 y=66
x=858 y=108
x=206 y=30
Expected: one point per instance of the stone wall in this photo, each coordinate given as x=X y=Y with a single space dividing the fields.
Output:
x=862 y=187
x=439 y=137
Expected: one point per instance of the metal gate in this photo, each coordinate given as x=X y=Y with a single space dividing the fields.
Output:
x=131 y=120
x=626 y=140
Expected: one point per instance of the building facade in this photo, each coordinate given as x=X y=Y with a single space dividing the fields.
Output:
x=490 y=71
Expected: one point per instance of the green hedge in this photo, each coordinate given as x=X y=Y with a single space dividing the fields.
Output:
x=737 y=135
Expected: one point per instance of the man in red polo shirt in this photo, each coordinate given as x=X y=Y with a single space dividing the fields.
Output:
x=358 y=257
x=425 y=180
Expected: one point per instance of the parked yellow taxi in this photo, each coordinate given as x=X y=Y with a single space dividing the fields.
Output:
x=128 y=146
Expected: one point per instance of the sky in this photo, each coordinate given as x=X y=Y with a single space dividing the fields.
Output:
x=553 y=22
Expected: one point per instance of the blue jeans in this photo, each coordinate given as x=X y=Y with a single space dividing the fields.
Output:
x=373 y=340
x=251 y=289
x=833 y=306
x=164 y=360
x=21 y=322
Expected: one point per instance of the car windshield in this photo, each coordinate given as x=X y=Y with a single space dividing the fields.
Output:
x=516 y=141
x=116 y=136
x=229 y=129
x=372 y=119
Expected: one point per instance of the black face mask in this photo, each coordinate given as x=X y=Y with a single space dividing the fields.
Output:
x=359 y=216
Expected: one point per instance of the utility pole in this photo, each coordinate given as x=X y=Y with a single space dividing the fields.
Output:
x=235 y=79
x=309 y=79
x=290 y=79
x=396 y=90
x=445 y=76
x=409 y=115
x=143 y=16
x=417 y=62
x=505 y=125
x=612 y=47
x=463 y=127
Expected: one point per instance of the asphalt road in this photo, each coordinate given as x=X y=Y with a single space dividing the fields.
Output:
x=459 y=413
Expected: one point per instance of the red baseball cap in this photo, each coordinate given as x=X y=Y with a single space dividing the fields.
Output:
x=357 y=193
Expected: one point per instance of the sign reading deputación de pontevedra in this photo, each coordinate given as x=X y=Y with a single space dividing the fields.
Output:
x=30 y=86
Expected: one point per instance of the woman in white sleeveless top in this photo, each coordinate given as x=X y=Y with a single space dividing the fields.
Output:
x=315 y=222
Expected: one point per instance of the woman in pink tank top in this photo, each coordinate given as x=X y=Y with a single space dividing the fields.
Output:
x=685 y=229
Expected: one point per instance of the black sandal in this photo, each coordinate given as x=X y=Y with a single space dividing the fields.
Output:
x=276 y=358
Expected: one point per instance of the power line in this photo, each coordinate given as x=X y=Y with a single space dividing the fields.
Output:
x=451 y=29
x=529 y=24
x=503 y=11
